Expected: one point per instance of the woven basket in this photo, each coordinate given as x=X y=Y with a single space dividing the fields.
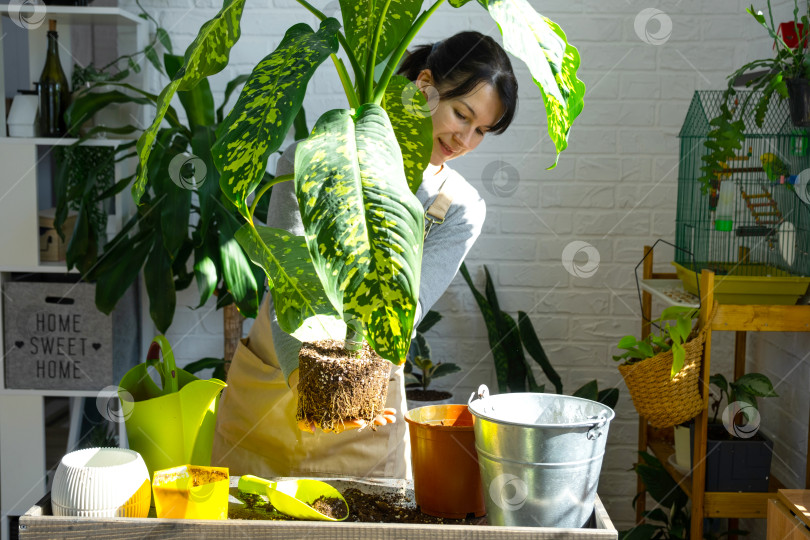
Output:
x=662 y=401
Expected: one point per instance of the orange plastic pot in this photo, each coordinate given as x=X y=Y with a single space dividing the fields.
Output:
x=446 y=478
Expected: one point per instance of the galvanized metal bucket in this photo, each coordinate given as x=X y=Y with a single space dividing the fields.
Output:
x=540 y=456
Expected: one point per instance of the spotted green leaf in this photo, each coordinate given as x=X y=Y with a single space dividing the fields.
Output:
x=206 y=55
x=551 y=60
x=363 y=225
x=267 y=106
x=413 y=127
x=360 y=18
x=297 y=292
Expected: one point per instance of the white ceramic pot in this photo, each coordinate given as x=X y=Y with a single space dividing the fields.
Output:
x=101 y=482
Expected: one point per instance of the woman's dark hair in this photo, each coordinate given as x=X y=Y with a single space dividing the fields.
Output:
x=459 y=63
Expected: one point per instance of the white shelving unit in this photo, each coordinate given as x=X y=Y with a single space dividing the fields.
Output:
x=24 y=183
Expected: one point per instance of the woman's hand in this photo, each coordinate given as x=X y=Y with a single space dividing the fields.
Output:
x=387 y=416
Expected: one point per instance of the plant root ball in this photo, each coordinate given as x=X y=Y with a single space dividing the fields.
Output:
x=334 y=387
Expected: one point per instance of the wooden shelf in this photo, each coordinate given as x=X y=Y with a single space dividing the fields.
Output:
x=56 y=393
x=41 y=268
x=74 y=14
x=62 y=141
x=735 y=318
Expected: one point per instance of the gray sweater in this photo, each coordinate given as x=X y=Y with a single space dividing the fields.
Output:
x=445 y=246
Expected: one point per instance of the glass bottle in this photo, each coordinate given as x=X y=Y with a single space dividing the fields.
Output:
x=54 y=93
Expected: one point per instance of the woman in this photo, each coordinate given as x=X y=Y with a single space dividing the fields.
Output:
x=472 y=91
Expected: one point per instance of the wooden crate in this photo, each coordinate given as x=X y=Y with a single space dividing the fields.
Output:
x=39 y=523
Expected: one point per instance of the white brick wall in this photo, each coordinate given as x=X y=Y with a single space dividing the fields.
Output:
x=614 y=188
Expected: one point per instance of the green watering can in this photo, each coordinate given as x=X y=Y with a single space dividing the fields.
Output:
x=173 y=425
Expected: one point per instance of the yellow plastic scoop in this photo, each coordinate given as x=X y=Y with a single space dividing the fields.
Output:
x=294 y=497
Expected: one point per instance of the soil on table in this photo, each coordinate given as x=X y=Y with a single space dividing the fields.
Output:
x=334 y=388
x=330 y=506
x=417 y=394
x=363 y=507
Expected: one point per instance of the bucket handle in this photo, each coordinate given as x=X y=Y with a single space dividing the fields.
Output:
x=481 y=393
x=167 y=369
x=596 y=431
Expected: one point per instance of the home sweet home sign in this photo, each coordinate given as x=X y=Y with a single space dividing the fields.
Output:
x=55 y=338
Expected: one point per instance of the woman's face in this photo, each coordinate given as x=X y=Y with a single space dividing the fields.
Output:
x=460 y=123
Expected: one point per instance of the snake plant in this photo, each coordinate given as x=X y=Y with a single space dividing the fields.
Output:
x=356 y=174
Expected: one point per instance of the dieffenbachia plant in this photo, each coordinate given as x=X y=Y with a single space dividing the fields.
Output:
x=356 y=175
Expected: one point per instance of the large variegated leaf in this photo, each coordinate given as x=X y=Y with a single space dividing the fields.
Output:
x=410 y=117
x=206 y=55
x=269 y=102
x=363 y=225
x=360 y=17
x=552 y=61
x=297 y=291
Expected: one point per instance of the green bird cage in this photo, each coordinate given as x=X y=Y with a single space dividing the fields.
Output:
x=750 y=224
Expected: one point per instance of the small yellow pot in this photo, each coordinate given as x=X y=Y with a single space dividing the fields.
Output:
x=191 y=492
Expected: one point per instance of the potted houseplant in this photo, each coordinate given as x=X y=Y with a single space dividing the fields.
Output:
x=783 y=76
x=671 y=517
x=738 y=455
x=661 y=371
x=332 y=272
x=417 y=383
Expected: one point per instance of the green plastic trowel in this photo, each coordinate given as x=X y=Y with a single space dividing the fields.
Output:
x=293 y=497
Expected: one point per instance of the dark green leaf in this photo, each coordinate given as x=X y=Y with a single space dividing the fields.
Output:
x=89 y=103
x=205 y=271
x=608 y=397
x=122 y=260
x=152 y=55
x=518 y=368
x=237 y=271
x=208 y=192
x=498 y=354
x=204 y=363
x=444 y=368
x=719 y=381
x=300 y=129
x=430 y=319
x=165 y=40
x=229 y=88
x=536 y=351
x=589 y=390
x=157 y=274
x=756 y=384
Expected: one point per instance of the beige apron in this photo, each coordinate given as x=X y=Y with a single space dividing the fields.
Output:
x=257 y=432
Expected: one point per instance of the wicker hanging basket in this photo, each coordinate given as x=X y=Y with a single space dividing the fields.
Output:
x=662 y=401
